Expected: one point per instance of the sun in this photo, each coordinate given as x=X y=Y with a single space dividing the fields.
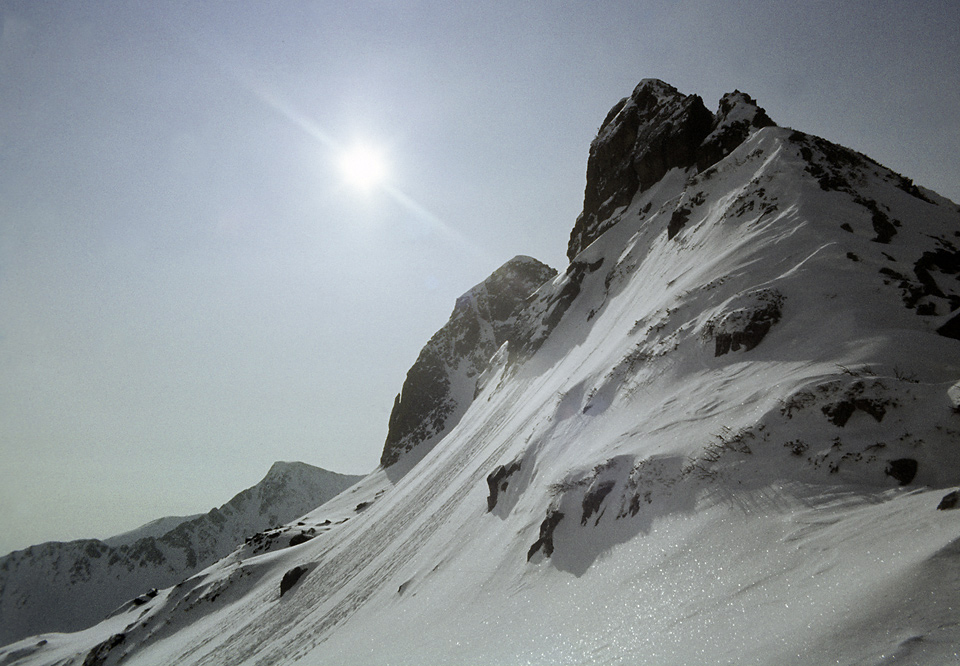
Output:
x=363 y=167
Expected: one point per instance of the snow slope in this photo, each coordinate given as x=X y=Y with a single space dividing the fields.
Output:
x=68 y=586
x=721 y=436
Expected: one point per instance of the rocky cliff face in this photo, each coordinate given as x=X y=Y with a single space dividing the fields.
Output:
x=645 y=135
x=68 y=586
x=442 y=383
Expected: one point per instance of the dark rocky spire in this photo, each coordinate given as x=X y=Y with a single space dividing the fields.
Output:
x=645 y=135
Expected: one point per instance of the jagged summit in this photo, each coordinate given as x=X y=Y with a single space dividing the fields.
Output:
x=442 y=383
x=645 y=135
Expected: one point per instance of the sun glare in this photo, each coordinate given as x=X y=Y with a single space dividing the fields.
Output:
x=363 y=167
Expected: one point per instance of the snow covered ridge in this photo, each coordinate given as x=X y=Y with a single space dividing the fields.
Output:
x=70 y=586
x=727 y=433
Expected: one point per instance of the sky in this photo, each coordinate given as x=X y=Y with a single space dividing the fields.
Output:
x=190 y=286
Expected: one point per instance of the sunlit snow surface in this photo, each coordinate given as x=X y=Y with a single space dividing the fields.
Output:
x=731 y=522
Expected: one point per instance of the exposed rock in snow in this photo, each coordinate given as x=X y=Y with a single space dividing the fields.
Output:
x=903 y=470
x=545 y=541
x=291 y=578
x=745 y=320
x=98 y=655
x=643 y=136
x=498 y=480
x=443 y=381
x=950 y=501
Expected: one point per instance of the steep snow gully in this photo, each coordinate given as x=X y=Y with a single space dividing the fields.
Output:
x=726 y=433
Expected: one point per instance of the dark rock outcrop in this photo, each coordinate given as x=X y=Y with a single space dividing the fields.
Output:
x=747 y=324
x=838 y=413
x=593 y=499
x=678 y=221
x=291 y=578
x=646 y=135
x=545 y=542
x=950 y=501
x=443 y=381
x=299 y=538
x=903 y=470
x=497 y=482
x=99 y=653
x=536 y=321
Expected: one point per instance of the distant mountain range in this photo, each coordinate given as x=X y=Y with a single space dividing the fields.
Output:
x=726 y=433
x=60 y=586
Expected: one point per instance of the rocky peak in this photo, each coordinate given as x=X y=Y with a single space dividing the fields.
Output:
x=739 y=107
x=281 y=468
x=737 y=116
x=441 y=384
x=645 y=135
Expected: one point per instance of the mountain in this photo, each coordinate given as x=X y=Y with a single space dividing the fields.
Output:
x=155 y=528
x=725 y=433
x=69 y=586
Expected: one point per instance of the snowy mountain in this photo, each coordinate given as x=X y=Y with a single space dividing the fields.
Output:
x=69 y=586
x=155 y=528
x=727 y=433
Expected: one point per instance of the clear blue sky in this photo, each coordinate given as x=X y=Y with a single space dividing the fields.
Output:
x=188 y=288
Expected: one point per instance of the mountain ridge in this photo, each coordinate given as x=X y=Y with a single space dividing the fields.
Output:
x=67 y=586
